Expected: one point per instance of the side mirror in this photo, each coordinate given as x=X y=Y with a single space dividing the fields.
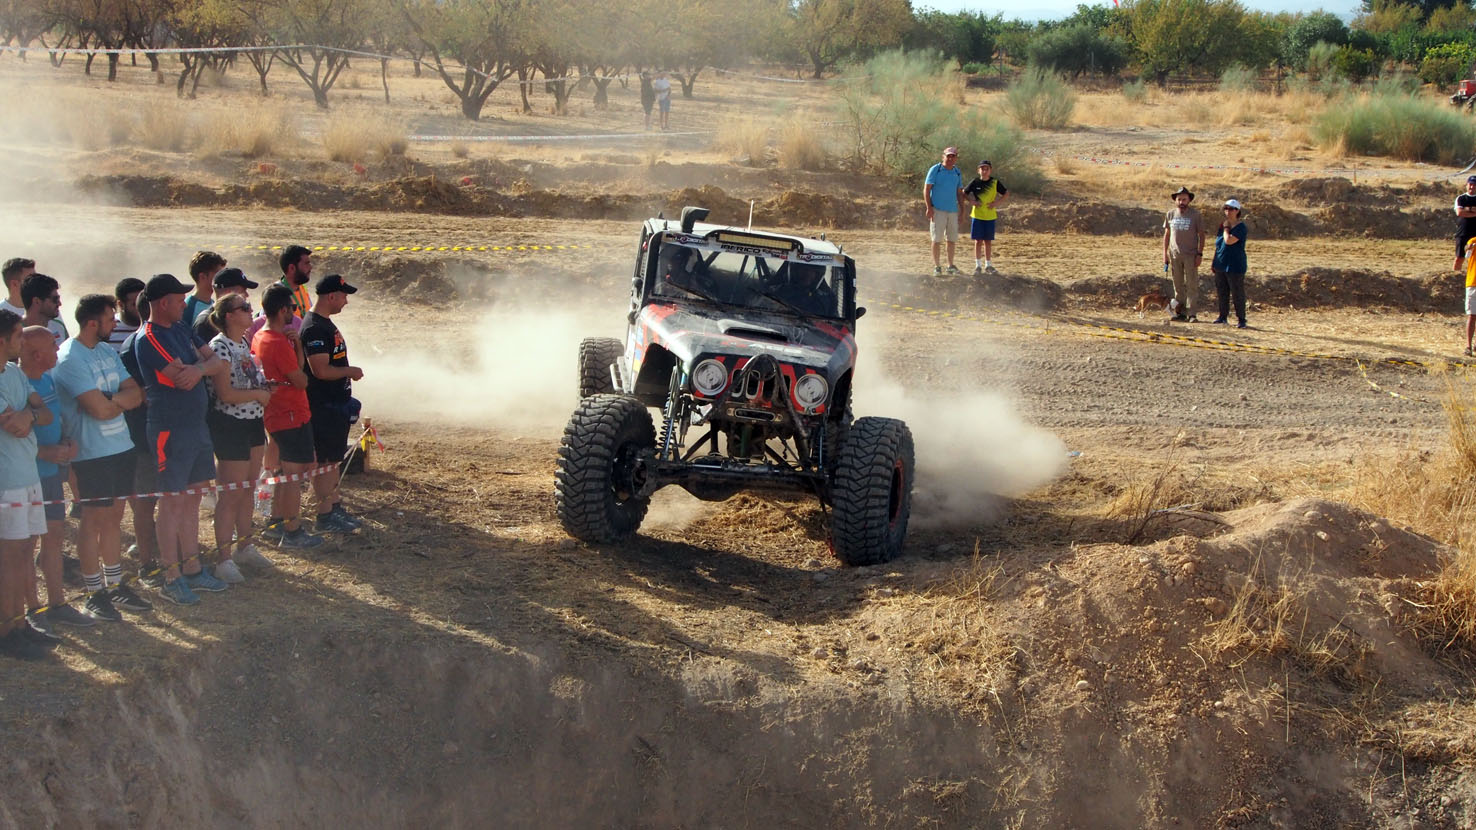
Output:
x=860 y=312
x=635 y=283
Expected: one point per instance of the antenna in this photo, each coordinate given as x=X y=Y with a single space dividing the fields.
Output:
x=750 y=214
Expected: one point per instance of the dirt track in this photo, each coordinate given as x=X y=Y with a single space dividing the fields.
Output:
x=464 y=659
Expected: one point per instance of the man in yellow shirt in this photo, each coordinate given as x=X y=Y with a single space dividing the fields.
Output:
x=985 y=192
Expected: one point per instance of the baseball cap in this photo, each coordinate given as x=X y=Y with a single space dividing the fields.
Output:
x=950 y=151
x=986 y=163
x=1471 y=179
x=162 y=285
x=1232 y=203
x=232 y=278
x=332 y=283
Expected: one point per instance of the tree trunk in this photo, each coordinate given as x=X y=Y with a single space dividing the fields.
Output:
x=471 y=106
x=153 y=61
x=87 y=67
x=523 y=89
x=384 y=77
x=320 y=96
x=688 y=81
x=602 y=95
x=112 y=66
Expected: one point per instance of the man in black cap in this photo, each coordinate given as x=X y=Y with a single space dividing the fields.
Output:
x=1183 y=251
x=330 y=397
x=173 y=362
x=227 y=281
x=1465 y=211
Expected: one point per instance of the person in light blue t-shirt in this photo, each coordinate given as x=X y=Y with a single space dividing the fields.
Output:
x=943 y=197
x=21 y=520
x=95 y=391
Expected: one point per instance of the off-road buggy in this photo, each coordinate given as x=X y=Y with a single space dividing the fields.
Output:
x=744 y=341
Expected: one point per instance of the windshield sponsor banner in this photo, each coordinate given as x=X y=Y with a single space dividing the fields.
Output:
x=702 y=243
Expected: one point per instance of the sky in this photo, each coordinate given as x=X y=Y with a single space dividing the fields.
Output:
x=1053 y=9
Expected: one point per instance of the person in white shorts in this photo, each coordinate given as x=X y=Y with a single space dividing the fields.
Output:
x=22 y=518
x=943 y=196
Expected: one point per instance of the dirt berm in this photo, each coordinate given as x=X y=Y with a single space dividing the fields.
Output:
x=799 y=209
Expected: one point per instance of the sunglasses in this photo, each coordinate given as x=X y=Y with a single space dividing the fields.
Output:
x=243 y=307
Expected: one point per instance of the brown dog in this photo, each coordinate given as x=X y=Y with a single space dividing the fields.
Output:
x=1152 y=301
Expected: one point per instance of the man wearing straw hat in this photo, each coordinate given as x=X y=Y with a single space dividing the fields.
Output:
x=1183 y=251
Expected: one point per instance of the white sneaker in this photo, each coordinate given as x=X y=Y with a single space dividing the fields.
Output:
x=228 y=573
x=252 y=558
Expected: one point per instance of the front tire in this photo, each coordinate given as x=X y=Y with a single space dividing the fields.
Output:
x=871 y=492
x=596 y=356
x=602 y=468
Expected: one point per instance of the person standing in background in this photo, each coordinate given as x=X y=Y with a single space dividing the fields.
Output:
x=1465 y=211
x=942 y=198
x=1230 y=265
x=1183 y=251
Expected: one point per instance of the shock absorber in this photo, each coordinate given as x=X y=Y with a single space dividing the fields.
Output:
x=668 y=420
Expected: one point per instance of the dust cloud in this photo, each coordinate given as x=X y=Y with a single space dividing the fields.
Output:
x=973 y=446
x=515 y=369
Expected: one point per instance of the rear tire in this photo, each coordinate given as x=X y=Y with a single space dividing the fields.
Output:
x=871 y=492
x=596 y=356
x=601 y=469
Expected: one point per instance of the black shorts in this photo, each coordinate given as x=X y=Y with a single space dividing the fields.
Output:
x=234 y=438
x=145 y=473
x=105 y=479
x=295 y=446
x=51 y=491
x=330 y=438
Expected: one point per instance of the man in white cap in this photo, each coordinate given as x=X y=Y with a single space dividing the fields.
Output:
x=943 y=196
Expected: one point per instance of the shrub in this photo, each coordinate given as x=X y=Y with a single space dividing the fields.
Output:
x=1401 y=126
x=1135 y=92
x=1319 y=60
x=1303 y=35
x=975 y=68
x=1355 y=64
x=165 y=128
x=353 y=135
x=800 y=147
x=897 y=118
x=251 y=131
x=1041 y=99
x=459 y=149
x=745 y=138
x=1237 y=78
x=1447 y=63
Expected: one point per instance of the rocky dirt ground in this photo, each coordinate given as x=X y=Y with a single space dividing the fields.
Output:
x=1132 y=597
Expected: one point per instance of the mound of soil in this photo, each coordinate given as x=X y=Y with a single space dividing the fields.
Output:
x=1086 y=218
x=1439 y=292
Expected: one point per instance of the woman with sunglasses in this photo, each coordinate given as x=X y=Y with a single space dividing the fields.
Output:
x=1229 y=264
x=237 y=431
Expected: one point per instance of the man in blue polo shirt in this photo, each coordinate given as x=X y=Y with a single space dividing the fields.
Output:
x=173 y=362
x=943 y=195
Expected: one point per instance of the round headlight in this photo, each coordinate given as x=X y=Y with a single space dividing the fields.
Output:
x=709 y=378
x=810 y=391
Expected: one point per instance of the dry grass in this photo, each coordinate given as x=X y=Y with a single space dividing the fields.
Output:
x=1435 y=494
x=459 y=149
x=959 y=642
x=252 y=131
x=800 y=147
x=746 y=139
x=359 y=135
x=1199 y=109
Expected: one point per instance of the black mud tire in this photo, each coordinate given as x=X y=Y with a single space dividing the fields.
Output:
x=600 y=469
x=871 y=493
x=596 y=355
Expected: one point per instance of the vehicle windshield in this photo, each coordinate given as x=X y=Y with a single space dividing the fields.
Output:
x=765 y=283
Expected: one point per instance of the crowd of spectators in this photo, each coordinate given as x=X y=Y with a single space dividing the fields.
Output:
x=164 y=388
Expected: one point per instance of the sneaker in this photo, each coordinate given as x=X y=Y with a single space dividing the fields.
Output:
x=15 y=644
x=275 y=529
x=67 y=615
x=937 y=270
x=46 y=641
x=124 y=597
x=300 y=538
x=1241 y=325
x=1178 y=318
x=150 y=575
x=990 y=269
x=978 y=270
x=179 y=593
x=952 y=271
x=37 y=623
x=228 y=573
x=347 y=516
x=252 y=558
x=331 y=522
x=1193 y=318
x=100 y=607
x=1218 y=321
x=203 y=581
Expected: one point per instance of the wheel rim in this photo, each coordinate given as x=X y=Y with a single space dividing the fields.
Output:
x=627 y=472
